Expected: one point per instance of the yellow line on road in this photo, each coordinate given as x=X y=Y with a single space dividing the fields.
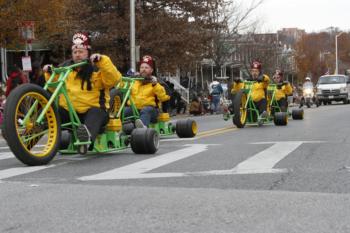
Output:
x=215 y=132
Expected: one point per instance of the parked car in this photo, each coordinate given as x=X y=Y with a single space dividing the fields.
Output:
x=333 y=88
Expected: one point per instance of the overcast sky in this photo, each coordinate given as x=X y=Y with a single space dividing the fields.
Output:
x=311 y=15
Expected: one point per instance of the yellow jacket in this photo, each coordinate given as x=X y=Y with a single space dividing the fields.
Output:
x=102 y=80
x=283 y=92
x=236 y=86
x=259 y=89
x=145 y=94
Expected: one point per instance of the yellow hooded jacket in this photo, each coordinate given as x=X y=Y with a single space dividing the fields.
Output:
x=105 y=78
x=145 y=94
x=283 y=92
x=259 y=88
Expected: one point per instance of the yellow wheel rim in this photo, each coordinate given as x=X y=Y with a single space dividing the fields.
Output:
x=243 y=110
x=36 y=139
x=194 y=128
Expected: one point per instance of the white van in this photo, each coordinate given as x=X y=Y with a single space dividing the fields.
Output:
x=333 y=88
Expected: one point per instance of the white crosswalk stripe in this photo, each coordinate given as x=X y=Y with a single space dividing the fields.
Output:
x=16 y=171
x=6 y=155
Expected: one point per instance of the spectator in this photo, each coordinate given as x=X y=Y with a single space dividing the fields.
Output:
x=216 y=91
x=196 y=106
x=184 y=81
x=15 y=79
x=174 y=98
x=37 y=76
x=181 y=106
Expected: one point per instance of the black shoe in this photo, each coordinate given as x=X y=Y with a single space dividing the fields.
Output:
x=83 y=133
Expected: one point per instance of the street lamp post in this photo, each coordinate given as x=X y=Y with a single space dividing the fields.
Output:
x=336 y=52
x=132 y=36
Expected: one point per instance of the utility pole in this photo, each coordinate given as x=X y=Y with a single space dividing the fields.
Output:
x=336 y=52
x=132 y=36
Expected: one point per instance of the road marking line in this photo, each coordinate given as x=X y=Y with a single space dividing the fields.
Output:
x=202 y=134
x=177 y=139
x=267 y=159
x=8 y=155
x=137 y=170
x=16 y=171
x=261 y=163
x=215 y=130
x=74 y=157
x=36 y=146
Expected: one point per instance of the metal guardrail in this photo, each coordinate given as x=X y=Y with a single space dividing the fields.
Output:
x=184 y=92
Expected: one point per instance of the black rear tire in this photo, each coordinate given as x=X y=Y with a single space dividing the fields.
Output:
x=186 y=128
x=280 y=118
x=66 y=139
x=144 y=141
x=298 y=114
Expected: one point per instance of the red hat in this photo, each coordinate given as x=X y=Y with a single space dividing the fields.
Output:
x=256 y=65
x=81 y=41
x=148 y=60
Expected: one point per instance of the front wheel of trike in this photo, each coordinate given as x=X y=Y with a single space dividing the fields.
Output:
x=239 y=108
x=33 y=143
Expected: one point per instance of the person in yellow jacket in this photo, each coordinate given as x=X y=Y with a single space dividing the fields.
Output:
x=284 y=89
x=259 y=88
x=88 y=88
x=146 y=95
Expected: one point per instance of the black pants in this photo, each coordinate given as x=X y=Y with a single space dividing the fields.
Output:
x=261 y=105
x=94 y=119
x=283 y=104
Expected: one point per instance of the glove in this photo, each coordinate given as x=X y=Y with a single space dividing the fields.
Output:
x=130 y=73
x=96 y=57
x=47 y=68
x=260 y=78
x=153 y=80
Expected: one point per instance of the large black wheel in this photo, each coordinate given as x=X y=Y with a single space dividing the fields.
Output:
x=31 y=142
x=239 y=109
x=115 y=101
x=280 y=118
x=186 y=128
x=298 y=114
x=144 y=141
x=66 y=139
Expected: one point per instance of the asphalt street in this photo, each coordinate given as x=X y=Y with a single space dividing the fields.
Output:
x=292 y=178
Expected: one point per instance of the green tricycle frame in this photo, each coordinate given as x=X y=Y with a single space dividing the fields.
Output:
x=32 y=125
x=184 y=128
x=295 y=114
x=246 y=113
